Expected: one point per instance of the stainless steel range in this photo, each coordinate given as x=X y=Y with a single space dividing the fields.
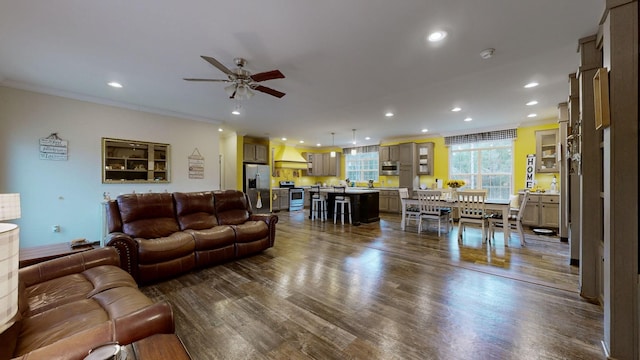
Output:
x=296 y=195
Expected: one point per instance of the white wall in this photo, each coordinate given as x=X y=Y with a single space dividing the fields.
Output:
x=69 y=193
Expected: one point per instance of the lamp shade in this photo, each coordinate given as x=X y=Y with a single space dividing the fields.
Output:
x=9 y=253
x=9 y=206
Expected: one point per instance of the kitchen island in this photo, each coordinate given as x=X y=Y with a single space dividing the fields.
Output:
x=364 y=204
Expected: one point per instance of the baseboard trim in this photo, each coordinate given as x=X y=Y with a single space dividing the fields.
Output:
x=574 y=262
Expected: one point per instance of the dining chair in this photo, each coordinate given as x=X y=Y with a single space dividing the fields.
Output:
x=514 y=220
x=342 y=200
x=318 y=204
x=431 y=208
x=471 y=209
x=412 y=212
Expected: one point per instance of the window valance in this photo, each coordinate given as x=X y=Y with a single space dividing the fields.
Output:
x=483 y=136
x=362 y=149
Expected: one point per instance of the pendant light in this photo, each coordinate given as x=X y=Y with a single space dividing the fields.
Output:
x=353 y=150
x=333 y=153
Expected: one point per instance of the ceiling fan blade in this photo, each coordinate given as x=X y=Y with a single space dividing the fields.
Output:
x=267 y=75
x=217 y=64
x=269 y=91
x=216 y=80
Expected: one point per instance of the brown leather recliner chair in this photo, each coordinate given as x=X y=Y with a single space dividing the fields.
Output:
x=72 y=304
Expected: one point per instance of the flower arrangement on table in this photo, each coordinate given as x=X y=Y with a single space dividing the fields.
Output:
x=454 y=184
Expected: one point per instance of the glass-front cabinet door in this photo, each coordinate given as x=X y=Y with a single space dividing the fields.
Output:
x=547 y=151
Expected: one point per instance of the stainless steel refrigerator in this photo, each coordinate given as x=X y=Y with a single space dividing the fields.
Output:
x=256 y=185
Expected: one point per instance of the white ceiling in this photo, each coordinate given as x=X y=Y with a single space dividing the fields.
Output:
x=346 y=62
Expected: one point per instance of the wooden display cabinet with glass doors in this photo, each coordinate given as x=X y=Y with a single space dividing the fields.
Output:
x=131 y=161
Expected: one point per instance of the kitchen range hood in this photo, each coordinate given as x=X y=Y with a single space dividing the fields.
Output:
x=288 y=158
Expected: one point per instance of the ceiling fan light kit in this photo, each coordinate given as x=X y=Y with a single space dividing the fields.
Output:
x=242 y=82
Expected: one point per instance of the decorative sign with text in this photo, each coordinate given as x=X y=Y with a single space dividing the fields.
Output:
x=196 y=165
x=53 y=148
x=529 y=182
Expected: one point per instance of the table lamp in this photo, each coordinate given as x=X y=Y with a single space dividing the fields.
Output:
x=9 y=253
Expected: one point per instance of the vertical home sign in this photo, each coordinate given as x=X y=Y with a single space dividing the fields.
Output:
x=531 y=172
x=196 y=165
x=53 y=148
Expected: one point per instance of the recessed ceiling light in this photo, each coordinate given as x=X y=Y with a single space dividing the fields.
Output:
x=284 y=139
x=220 y=129
x=531 y=84
x=437 y=36
x=318 y=144
x=425 y=130
x=301 y=141
x=468 y=119
x=532 y=115
x=389 y=114
x=456 y=109
x=367 y=138
x=115 y=84
x=532 y=102
x=236 y=112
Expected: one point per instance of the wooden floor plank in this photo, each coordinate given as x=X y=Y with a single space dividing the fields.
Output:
x=374 y=291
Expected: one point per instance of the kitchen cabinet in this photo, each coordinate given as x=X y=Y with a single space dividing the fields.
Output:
x=547 y=151
x=129 y=161
x=254 y=153
x=407 y=154
x=389 y=201
x=542 y=210
x=322 y=164
x=330 y=165
x=279 y=199
x=389 y=153
x=424 y=162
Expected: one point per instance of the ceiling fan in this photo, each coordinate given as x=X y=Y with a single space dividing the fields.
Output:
x=241 y=81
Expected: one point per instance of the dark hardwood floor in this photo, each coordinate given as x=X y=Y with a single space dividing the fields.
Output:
x=373 y=291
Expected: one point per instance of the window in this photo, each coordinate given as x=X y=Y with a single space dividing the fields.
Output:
x=484 y=165
x=362 y=166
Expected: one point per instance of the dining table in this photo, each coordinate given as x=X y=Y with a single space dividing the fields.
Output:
x=503 y=205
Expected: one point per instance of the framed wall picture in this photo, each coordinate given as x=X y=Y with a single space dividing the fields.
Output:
x=601 y=97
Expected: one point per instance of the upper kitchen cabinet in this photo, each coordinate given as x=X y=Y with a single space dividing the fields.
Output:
x=389 y=153
x=323 y=164
x=255 y=153
x=547 y=151
x=425 y=158
x=129 y=161
x=407 y=154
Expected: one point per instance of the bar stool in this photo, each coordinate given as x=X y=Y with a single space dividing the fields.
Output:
x=342 y=200
x=318 y=204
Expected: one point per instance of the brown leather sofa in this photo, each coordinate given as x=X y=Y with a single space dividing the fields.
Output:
x=161 y=235
x=68 y=306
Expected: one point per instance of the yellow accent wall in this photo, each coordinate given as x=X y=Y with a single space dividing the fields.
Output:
x=523 y=145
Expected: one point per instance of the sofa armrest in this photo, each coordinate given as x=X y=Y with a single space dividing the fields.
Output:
x=271 y=221
x=67 y=265
x=127 y=249
x=154 y=319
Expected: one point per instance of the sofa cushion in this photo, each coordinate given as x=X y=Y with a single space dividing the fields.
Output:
x=195 y=210
x=121 y=301
x=58 y=323
x=232 y=207
x=56 y=292
x=155 y=250
x=52 y=293
x=251 y=231
x=213 y=238
x=148 y=215
x=108 y=277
